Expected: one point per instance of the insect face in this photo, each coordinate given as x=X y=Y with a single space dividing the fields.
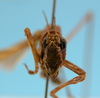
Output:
x=53 y=52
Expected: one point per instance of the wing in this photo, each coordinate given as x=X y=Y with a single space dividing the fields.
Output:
x=9 y=57
x=86 y=18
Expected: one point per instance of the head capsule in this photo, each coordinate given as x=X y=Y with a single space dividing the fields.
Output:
x=53 y=50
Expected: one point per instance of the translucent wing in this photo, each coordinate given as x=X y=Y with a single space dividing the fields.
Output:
x=80 y=24
x=9 y=57
x=87 y=59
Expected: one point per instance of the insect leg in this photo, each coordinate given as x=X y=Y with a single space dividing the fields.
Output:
x=75 y=80
x=34 y=51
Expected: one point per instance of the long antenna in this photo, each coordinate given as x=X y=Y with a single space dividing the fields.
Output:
x=46 y=19
x=52 y=24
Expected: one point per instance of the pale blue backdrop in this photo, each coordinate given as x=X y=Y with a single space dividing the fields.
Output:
x=16 y=15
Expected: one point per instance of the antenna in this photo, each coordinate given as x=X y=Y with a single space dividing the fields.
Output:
x=46 y=19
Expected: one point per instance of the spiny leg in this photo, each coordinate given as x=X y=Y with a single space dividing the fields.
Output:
x=75 y=80
x=34 y=51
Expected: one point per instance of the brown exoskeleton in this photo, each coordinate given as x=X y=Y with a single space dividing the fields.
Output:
x=51 y=56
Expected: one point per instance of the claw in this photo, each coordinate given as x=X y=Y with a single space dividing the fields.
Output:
x=26 y=67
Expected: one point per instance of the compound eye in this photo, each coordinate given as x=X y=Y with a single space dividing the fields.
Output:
x=63 y=44
x=44 y=43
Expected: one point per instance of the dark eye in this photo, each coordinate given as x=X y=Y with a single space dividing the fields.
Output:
x=44 y=43
x=63 y=44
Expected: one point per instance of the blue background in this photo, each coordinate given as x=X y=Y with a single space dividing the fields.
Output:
x=16 y=15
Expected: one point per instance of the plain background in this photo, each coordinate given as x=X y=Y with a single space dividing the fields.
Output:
x=16 y=15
